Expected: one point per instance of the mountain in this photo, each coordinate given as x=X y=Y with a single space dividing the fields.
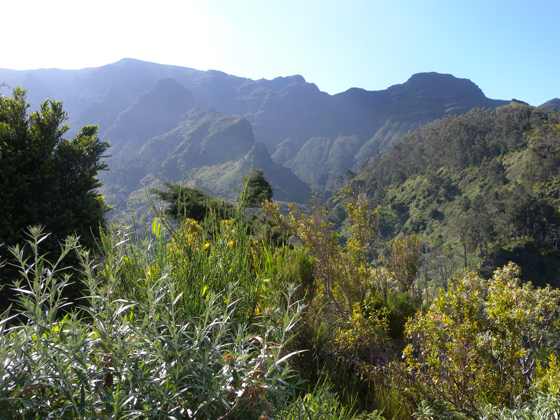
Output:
x=552 y=104
x=366 y=123
x=164 y=136
x=317 y=137
x=154 y=113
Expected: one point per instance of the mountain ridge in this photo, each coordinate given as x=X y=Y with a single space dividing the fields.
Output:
x=315 y=135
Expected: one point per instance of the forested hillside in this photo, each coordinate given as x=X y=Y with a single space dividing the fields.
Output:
x=481 y=188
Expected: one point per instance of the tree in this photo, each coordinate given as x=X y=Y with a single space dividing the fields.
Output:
x=404 y=260
x=192 y=203
x=45 y=179
x=257 y=188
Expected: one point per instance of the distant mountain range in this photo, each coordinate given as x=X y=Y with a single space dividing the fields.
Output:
x=207 y=128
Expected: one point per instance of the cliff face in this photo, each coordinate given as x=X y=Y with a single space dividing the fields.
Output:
x=207 y=150
x=153 y=113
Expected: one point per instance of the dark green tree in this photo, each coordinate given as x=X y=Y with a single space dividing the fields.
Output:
x=192 y=203
x=257 y=188
x=45 y=179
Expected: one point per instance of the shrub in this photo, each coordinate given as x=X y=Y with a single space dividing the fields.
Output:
x=141 y=355
x=481 y=342
x=322 y=403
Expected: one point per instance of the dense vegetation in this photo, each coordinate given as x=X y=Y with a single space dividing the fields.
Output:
x=212 y=313
x=481 y=189
x=46 y=179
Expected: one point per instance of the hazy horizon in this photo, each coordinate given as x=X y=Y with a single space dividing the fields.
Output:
x=508 y=49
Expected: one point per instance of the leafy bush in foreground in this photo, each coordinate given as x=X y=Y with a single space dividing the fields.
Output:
x=542 y=407
x=322 y=403
x=47 y=179
x=133 y=358
x=484 y=342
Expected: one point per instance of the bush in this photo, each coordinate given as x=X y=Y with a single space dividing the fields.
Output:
x=46 y=179
x=322 y=403
x=541 y=407
x=141 y=355
x=481 y=342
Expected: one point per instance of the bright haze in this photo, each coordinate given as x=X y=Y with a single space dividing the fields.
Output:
x=509 y=48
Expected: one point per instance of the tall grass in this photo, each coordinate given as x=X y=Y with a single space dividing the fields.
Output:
x=198 y=261
x=323 y=403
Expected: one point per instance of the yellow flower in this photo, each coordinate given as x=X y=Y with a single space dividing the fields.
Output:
x=257 y=312
x=207 y=245
x=230 y=244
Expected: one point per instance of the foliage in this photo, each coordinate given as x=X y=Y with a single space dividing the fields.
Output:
x=264 y=228
x=284 y=265
x=192 y=203
x=482 y=341
x=542 y=407
x=356 y=320
x=548 y=374
x=188 y=253
x=257 y=189
x=474 y=187
x=322 y=403
x=139 y=357
x=46 y=179
x=404 y=260
x=344 y=272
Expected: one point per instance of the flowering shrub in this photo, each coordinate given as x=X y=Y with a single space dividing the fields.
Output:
x=482 y=342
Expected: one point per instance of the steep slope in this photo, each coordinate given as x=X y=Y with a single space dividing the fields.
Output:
x=155 y=112
x=105 y=112
x=206 y=149
x=552 y=104
x=481 y=189
x=373 y=121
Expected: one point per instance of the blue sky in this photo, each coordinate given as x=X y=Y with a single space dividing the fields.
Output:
x=510 y=49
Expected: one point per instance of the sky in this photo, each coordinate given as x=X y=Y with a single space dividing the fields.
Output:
x=509 y=48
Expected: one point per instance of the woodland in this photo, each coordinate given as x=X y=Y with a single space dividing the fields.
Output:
x=424 y=285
